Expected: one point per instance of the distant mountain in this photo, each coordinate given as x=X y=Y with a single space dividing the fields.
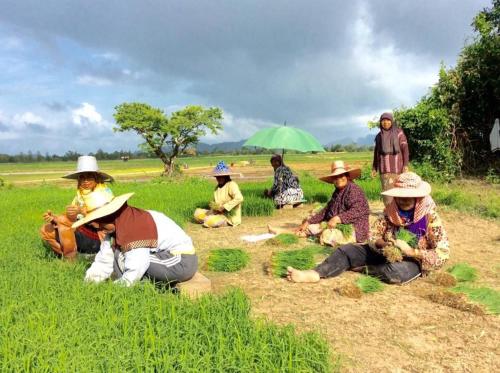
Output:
x=221 y=146
x=367 y=140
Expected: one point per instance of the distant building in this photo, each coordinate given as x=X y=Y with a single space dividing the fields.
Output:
x=495 y=136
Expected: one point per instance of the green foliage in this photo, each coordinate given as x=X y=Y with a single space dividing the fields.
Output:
x=165 y=137
x=369 y=284
x=483 y=295
x=284 y=239
x=227 y=260
x=463 y=272
x=493 y=176
x=298 y=259
x=51 y=320
x=407 y=236
x=449 y=127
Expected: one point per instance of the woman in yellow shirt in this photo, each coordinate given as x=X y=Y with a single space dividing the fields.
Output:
x=225 y=209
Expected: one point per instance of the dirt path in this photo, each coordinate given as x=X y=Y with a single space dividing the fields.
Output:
x=396 y=330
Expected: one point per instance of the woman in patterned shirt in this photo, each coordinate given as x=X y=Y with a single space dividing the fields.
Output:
x=413 y=210
x=286 y=189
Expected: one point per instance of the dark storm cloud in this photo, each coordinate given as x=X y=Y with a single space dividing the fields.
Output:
x=272 y=60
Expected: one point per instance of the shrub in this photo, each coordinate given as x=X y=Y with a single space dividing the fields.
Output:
x=227 y=260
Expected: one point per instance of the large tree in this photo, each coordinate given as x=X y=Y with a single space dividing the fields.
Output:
x=167 y=137
x=450 y=126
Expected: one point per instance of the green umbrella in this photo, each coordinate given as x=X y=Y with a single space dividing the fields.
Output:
x=285 y=137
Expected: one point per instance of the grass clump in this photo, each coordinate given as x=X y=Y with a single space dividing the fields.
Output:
x=454 y=300
x=369 y=284
x=407 y=236
x=350 y=290
x=283 y=239
x=227 y=260
x=346 y=229
x=443 y=279
x=463 y=272
x=490 y=298
x=392 y=253
x=298 y=259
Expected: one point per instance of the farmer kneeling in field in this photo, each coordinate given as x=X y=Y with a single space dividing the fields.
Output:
x=139 y=244
x=345 y=218
x=225 y=209
x=91 y=192
x=286 y=189
x=408 y=241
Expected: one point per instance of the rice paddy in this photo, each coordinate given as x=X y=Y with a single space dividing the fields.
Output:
x=298 y=259
x=283 y=239
x=50 y=320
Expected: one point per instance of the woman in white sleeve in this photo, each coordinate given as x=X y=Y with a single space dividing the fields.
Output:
x=139 y=244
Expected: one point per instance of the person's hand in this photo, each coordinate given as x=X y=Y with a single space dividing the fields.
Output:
x=48 y=217
x=72 y=212
x=301 y=230
x=404 y=247
x=374 y=173
x=406 y=169
x=332 y=223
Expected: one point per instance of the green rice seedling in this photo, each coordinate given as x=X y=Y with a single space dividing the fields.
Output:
x=298 y=259
x=283 y=239
x=227 y=260
x=407 y=236
x=442 y=279
x=369 y=284
x=392 y=253
x=490 y=298
x=346 y=229
x=214 y=206
x=463 y=272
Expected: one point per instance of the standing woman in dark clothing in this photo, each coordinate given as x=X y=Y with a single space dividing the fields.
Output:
x=391 y=154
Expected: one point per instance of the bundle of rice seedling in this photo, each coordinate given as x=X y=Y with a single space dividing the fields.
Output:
x=214 y=206
x=349 y=290
x=454 y=300
x=392 y=253
x=463 y=272
x=490 y=298
x=227 y=260
x=298 y=259
x=346 y=229
x=283 y=239
x=369 y=284
x=407 y=236
x=442 y=279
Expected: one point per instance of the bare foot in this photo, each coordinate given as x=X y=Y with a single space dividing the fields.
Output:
x=296 y=275
x=276 y=230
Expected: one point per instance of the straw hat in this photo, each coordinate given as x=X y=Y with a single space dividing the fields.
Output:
x=106 y=209
x=87 y=163
x=222 y=169
x=340 y=168
x=98 y=198
x=409 y=185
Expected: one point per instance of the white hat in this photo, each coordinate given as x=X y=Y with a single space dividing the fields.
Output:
x=106 y=209
x=339 y=168
x=409 y=185
x=87 y=163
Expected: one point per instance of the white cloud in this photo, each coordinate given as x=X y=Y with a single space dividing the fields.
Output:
x=93 y=80
x=85 y=114
x=26 y=118
x=398 y=73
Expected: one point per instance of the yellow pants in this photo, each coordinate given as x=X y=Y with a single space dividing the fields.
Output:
x=210 y=219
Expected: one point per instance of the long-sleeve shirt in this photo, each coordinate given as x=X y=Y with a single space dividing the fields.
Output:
x=284 y=179
x=351 y=206
x=433 y=244
x=136 y=262
x=391 y=163
x=230 y=197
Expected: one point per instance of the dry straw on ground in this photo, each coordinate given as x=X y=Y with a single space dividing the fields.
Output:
x=454 y=300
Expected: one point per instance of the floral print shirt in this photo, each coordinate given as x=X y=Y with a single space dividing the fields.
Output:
x=433 y=245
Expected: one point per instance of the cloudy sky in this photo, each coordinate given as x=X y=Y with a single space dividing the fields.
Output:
x=326 y=66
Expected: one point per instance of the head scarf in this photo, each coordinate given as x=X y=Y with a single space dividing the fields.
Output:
x=134 y=228
x=388 y=140
x=277 y=157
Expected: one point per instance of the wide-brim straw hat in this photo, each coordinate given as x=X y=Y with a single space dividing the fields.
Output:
x=87 y=163
x=409 y=185
x=105 y=210
x=340 y=168
x=222 y=169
